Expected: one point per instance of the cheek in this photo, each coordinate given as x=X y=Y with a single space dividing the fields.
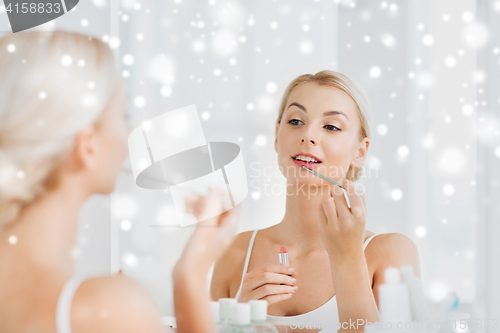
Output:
x=122 y=141
x=117 y=145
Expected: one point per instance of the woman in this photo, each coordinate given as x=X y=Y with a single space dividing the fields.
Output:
x=332 y=279
x=63 y=133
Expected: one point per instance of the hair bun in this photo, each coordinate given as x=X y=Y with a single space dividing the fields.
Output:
x=14 y=191
x=8 y=172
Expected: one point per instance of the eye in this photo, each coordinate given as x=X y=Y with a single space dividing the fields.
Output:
x=293 y=120
x=331 y=128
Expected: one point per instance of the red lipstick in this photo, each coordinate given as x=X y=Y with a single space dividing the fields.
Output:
x=283 y=256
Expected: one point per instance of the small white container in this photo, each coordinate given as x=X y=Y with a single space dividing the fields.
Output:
x=241 y=321
x=259 y=317
x=394 y=299
x=226 y=306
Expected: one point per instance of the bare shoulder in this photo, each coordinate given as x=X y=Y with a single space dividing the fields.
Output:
x=114 y=304
x=392 y=250
x=237 y=250
x=395 y=250
x=229 y=264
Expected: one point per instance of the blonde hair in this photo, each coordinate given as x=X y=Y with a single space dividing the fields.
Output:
x=350 y=87
x=52 y=84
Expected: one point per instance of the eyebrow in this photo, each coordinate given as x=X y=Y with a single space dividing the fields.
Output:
x=325 y=114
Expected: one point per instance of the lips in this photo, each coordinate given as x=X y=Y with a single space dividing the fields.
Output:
x=307 y=155
x=310 y=165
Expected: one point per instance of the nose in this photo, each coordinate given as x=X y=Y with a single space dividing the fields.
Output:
x=309 y=140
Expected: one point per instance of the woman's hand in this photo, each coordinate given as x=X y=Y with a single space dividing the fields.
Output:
x=211 y=236
x=271 y=283
x=342 y=229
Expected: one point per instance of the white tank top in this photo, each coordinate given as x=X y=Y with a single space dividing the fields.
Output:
x=63 y=311
x=326 y=316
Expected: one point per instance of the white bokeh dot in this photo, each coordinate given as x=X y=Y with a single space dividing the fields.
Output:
x=403 y=151
x=125 y=225
x=479 y=76
x=166 y=91
x=128 y=59
x=198 y=46
x=382 y=129
x=251 y=20
x=497 y=151
x=396 y=194
x=20 y=174
x=467 y=109
x=476 y=35
x=271 y=87
x=217 y=71
x=467 y=17
x=448 y=189
x=130 y=259
x=388 y=40
x=255 y=195
x=250 y=106
x=420 y=231
x=261 y=140
x=205 y=115
x=114 y=42
x=306 y=47
x=11 y=48
x=428 y=40
x=42 y=95
x=375 y=72
x=450 y=61
x=66 y=60
x=139 y=101
x=496 y=6
x=452 y=161
x=12 y=239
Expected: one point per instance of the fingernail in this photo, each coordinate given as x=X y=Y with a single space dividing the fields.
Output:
x=293 y=280
x=296 y=287
x=290 y=269
x=289 y=294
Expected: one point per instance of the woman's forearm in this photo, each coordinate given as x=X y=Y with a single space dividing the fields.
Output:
x=191 y=301
x=355 y=301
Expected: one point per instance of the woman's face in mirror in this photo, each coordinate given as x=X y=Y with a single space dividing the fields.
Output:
x=308 y=125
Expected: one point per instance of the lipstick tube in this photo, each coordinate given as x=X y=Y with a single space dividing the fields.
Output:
x=283 y=256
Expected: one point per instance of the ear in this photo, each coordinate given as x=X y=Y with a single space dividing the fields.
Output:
x=361 y=153
x=276 y=137
x=87 y=148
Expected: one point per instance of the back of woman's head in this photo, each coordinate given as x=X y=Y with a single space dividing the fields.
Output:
x=351 y=88
x=52 y=84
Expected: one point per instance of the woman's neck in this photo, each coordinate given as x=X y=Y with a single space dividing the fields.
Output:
x=299 y=227
x=46 y=229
